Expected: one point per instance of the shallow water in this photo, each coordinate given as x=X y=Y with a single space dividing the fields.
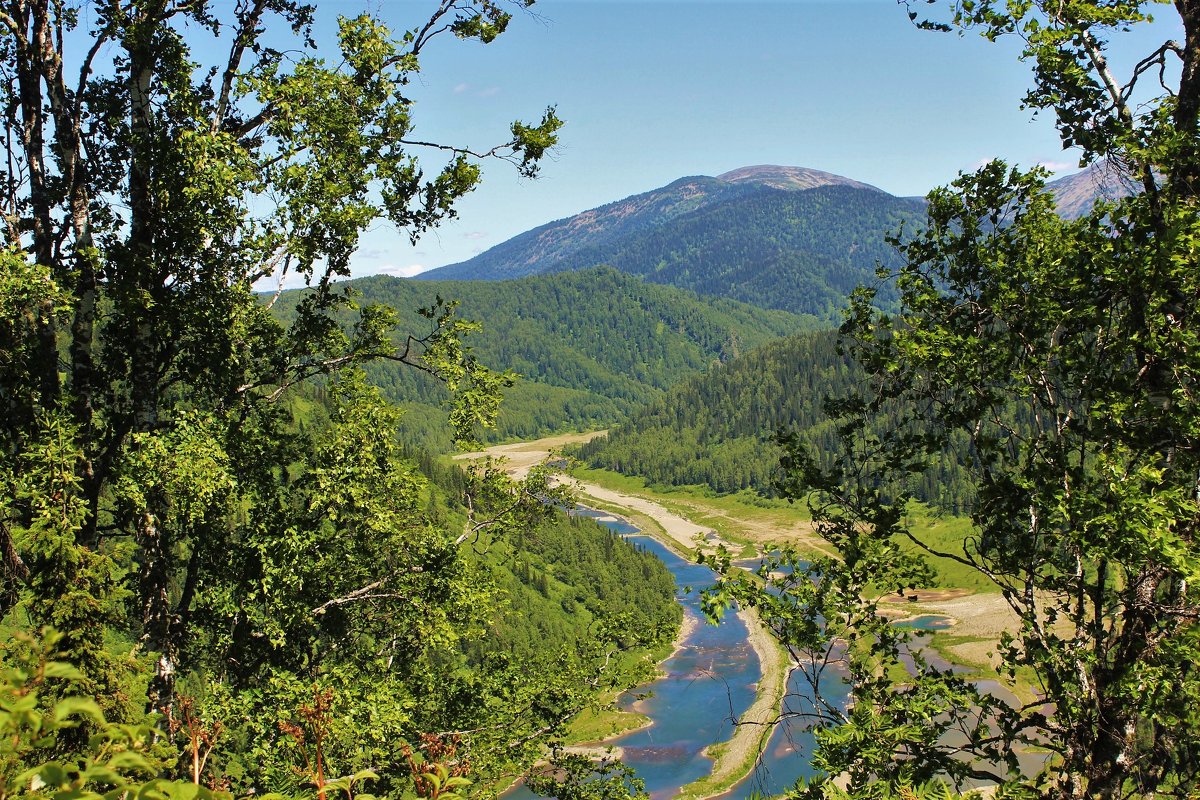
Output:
x=926 y=622
x=708 y=684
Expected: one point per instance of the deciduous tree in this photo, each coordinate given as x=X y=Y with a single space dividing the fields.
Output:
x=1066 y=351
x=163 y=158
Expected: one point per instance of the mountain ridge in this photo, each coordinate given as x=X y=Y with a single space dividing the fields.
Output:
x=789 y=238
x=1075 y=194
x=591 y=345
x=784 y=237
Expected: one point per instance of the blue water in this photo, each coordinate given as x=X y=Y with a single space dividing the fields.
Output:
x=926 y=622
x=708 y=684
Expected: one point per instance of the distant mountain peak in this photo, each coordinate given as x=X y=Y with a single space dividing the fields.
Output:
x=790 y=178
x=1075 y=194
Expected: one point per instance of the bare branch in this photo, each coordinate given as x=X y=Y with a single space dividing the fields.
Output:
x=246 y=30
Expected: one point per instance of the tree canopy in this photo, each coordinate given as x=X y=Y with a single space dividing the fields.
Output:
x=209 y=537
x=1066 y=353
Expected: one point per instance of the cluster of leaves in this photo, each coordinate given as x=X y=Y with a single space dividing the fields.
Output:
x=58 y=744
x=1066 y=353
x=257 y=563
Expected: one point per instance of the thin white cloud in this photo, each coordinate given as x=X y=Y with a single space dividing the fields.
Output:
x=476 y=235
x=401 y=271
x=1058 y=166
x=487 y=91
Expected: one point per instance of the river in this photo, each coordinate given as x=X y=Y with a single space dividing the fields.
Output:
x=707 y=684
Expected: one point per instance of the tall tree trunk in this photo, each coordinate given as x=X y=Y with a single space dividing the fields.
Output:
x=29 y=43
x=1185 y=177
x=158 y=633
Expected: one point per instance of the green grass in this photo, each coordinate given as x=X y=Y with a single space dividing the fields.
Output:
x=601 y=724
x=745 y=500
x=947 y=534
x=1024 y=683
x=704 y=507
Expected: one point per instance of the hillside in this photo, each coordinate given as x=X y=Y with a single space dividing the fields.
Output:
x=800 y=251
x=715 y=429
x=591 y=346
x=778 y=237
x=531 y=252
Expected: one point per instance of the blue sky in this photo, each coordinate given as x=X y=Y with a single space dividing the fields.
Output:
x=653 y=90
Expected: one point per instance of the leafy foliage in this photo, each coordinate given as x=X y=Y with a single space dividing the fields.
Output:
x=1065 y=351
x=252 y=559
x=117 y=760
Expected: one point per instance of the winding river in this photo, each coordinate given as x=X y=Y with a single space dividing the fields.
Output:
x=710 y=680
x=707 y=684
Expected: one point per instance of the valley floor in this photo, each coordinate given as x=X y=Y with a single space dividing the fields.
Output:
x=688 y=523
x=734 y=759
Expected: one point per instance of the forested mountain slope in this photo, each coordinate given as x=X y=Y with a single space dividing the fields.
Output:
x=529 y=253
x=555 y=580
x=591 y=346
x=538 y=250
x=778 y=237
x=715 y=429
x=801 y=251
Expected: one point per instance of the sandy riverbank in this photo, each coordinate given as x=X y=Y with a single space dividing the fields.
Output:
x=682 y=533
x=977 y=620
x=737 y=756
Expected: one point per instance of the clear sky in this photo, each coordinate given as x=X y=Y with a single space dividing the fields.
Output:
x=654 y=90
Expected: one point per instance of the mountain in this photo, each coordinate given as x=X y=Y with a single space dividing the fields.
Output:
x=529 y=253
x=1075 y=194
x=779 y=237
x=591 y=345
x=787 y=238
x=714 y=429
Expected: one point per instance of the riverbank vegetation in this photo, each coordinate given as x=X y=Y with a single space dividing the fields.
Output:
x=751 y=524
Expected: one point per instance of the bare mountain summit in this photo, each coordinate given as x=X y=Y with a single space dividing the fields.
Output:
x=790 y=178
x=1074 y=195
